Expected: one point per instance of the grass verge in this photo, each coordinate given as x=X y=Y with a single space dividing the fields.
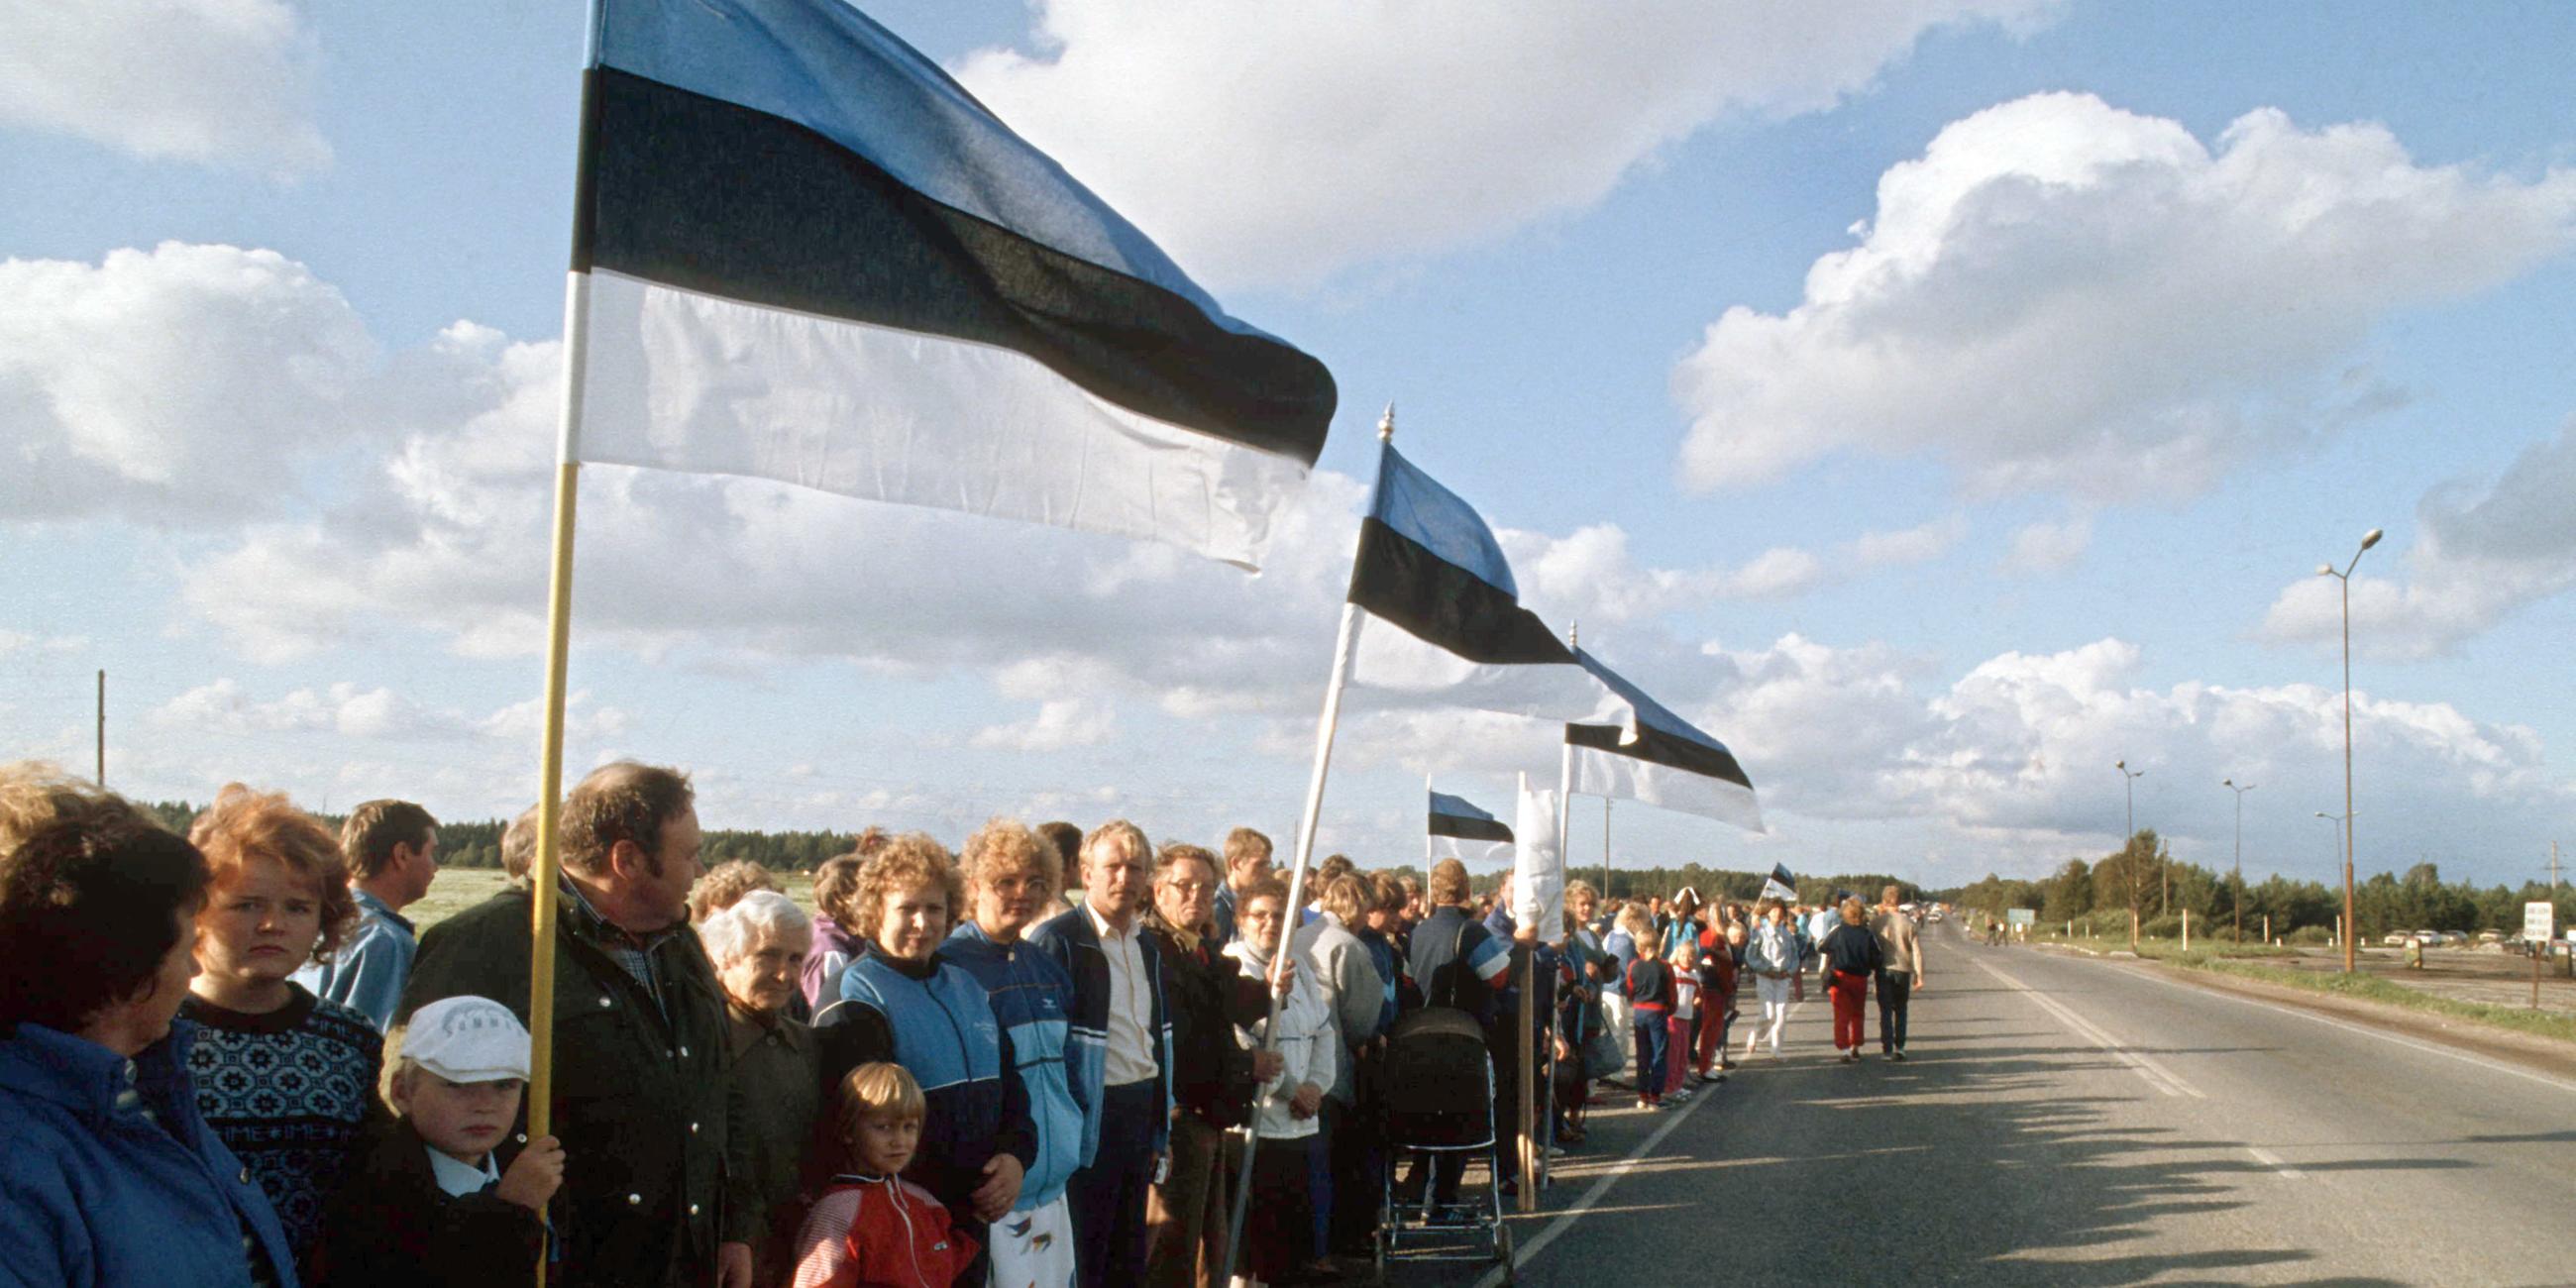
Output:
x=2371 y=988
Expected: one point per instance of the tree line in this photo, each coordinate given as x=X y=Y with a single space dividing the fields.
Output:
x=2143 y=875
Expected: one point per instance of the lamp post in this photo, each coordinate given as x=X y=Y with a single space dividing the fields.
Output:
x=2368 y=539
x=2129 y=788
x=2343 y=827
x=2230 y=784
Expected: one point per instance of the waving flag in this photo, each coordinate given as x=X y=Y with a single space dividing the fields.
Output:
x=1780 y=884
x=1453 y=821
x=811 y=256
x=1442 y=613
x=1664 y=760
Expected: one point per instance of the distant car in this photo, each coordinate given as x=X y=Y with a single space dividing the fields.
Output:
x=2455 y=938
x=2397 y=939
x=2490 y=936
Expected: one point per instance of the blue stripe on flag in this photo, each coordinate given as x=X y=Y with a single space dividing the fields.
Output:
x=1417 y=507
x=832 y=69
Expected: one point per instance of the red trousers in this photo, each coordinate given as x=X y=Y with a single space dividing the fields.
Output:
x=1850 y=989
x=1712 y=1030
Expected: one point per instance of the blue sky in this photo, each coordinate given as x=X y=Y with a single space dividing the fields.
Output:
x=1937 y=400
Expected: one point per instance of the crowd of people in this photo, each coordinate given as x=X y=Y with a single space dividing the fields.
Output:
x=1041 y=1058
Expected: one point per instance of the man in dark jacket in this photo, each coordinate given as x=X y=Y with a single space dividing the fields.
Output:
x=639 y=1072
x=1213 y=1078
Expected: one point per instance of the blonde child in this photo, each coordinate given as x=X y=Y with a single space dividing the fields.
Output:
x=871 y=1226
x=1684 y=959
x=444 y=1195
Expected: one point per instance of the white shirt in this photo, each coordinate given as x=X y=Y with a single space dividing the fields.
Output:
x=460 y=1178
x=1131 y=1004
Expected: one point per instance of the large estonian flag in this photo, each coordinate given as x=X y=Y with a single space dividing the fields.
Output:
x=1443 y=615
x=1665 y=760
x=1460 y=830
x=813 y=257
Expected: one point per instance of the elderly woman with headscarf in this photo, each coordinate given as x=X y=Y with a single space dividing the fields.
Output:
x=774 y=1090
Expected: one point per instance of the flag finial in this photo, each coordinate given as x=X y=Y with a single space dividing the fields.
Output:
x=1386 y=425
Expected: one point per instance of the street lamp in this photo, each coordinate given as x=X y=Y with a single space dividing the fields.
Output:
x=2343 y=826
x=2129 y=787
x=2368 y=539
x=2230 y=784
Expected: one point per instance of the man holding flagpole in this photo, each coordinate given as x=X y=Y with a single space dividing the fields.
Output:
x=639 y=1086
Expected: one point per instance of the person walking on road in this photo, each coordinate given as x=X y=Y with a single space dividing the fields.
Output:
x=1772 y=956
x=1901 y=973
x=1851 y=956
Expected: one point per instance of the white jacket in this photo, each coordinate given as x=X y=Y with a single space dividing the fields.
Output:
x=1307 y=1048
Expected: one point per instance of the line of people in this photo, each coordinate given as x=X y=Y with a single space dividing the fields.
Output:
x=226 y=1059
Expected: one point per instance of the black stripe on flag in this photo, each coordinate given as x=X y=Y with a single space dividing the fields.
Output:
x=1470 y=829
x=710 y=196
x=1399 y=580
x=1656 y=747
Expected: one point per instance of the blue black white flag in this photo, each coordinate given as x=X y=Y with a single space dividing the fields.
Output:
x=1662 y=760
x=1443 y=614
x=1453 y=816
x=811 y=256
x=1780 y=885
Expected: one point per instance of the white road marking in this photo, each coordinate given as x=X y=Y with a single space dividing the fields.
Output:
x=2156 y=1075
x=1523 y=1253
x=2270 y=1160
x=2497 y=1066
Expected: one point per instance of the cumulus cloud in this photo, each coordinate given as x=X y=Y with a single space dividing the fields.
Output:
x=2480 y=551
x=183 y=385
x=227 y=708
x=224 y=82
x=1058 y=724
x=2060 y=295
x=2038 y=549
x=1458 y=121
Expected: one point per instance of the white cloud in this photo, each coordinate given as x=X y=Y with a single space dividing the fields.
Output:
x=1058 y=724
x=1237 y=133
x=2041 y=548
x=225 y=82
x=15 y=643
x=180 y=385
x=2059 y=295
x=224 y=707
x=2480 y=552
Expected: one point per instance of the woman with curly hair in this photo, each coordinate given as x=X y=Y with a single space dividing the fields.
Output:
x=288 y=1080
x=900 y=1002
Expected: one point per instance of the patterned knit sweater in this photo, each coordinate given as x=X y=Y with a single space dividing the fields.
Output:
x=290 y=1092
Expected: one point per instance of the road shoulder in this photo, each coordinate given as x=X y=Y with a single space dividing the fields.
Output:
x=2524 y=1050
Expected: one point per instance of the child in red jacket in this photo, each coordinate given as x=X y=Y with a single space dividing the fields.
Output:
x=871 y=1226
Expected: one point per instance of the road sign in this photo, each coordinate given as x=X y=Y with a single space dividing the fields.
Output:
x=2539 y=922
x=2019 y=916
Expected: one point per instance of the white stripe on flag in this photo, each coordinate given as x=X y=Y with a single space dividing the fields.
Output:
x=1387 y=656
x=1538 y=868
x=1603 y=773
x=679 y=380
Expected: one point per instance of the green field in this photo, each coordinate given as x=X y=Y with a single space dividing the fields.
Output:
x=460 y=888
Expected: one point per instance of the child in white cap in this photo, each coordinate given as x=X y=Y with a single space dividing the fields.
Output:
x=445 y=1195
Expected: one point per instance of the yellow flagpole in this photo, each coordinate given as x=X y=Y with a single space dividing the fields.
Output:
x=544 y=873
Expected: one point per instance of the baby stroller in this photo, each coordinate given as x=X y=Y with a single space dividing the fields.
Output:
x=1436 y=1103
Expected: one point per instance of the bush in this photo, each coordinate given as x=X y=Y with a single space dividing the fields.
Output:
x=2306 y=936
x=2165 y=927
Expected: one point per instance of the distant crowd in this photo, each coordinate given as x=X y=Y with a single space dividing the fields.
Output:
x=227 y=1059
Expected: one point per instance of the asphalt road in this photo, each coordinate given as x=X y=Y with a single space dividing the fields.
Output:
x=2080 y=1122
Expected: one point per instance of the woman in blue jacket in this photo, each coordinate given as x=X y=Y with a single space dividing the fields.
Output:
x=108 y=1175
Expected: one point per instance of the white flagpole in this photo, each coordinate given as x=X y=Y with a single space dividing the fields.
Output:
x=1426 y=825
x=1324 y=729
